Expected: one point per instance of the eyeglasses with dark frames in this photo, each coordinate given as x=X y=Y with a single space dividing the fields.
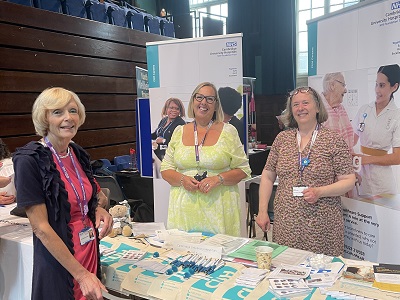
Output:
x=173 y=108
x=209 y=99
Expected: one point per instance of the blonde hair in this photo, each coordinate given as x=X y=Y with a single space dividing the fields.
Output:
x=177 y=102
x=53 y=98
x=218 y=114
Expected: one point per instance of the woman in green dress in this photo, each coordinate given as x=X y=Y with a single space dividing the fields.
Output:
x=204 y=162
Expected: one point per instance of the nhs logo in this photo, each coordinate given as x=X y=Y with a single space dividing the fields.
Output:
x=234 y=44
x=395 y=5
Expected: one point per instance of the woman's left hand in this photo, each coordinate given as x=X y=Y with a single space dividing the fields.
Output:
x=103 y=216
x=208 y=183
x=311 y=195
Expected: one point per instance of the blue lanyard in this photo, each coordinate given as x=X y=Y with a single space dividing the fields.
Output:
x=305 y=161
x=82 y=203
x=196 y=141
x=161 y=130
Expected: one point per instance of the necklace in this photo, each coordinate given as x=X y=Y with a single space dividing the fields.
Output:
x=66 y=155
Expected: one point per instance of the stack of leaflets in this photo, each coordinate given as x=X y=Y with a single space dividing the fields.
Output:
x=287 y=281
x=132 y=256
x=290 y=272
x=360 y=274
x=322 y=279
x=251 y=277
x=387 y=277
x=286 y=288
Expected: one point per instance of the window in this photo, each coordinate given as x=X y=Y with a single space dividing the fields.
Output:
x=215 y=9
x=307 y=10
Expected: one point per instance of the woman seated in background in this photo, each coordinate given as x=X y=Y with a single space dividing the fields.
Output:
x=55 y=185
x=314 y=166
x=7 y=188
x=203 y=164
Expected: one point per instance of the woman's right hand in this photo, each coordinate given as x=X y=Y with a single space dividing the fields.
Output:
x=263 y=221
x=160 y=140
x=189 y=183
x=91 y=286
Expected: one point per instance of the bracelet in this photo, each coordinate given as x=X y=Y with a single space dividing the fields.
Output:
x=221 y=179
x=181 y=181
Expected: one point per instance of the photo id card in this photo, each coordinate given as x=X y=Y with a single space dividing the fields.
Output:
x=86 y=235
x=298 y=191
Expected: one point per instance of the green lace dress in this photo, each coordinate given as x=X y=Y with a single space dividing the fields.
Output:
x=219 y=210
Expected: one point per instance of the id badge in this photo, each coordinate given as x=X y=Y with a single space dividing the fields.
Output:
x=298 y=191
x=86 y=235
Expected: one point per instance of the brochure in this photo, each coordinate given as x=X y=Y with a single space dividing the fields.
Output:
x=290 y=272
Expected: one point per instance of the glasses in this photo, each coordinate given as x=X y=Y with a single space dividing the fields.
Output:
x=174 y=108
x=303 y=90
x=342 y=83
x=209 y=99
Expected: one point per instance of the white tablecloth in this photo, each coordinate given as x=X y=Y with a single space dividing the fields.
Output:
x=16 y=256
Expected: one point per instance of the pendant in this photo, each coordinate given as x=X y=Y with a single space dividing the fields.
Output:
x=85 y=209
x=305 y=162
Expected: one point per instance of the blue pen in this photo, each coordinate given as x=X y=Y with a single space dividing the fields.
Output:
x=1 y=205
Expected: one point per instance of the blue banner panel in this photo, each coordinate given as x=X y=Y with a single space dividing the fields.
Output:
x=143 y=138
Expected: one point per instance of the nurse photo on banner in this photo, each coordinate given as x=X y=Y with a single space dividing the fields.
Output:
x=377 y=127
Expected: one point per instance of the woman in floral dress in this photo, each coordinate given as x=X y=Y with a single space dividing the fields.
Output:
x=314 y=167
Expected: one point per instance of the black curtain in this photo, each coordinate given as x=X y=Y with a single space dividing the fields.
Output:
x=269 y=31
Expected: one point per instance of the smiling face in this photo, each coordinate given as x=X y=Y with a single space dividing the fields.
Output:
x=383 y=90
x=339 y=88
x=63 y=122
x=173 y=110
x=304 y=108
x=203 y=109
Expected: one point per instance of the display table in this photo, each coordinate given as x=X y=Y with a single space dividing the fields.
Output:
x=16 y=256
x=16 y=252
x=134 y=281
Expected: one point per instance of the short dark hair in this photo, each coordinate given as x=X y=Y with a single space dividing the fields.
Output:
x=231 y=100
x=392 y=72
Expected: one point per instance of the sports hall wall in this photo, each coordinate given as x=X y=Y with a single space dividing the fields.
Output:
x=41 y=49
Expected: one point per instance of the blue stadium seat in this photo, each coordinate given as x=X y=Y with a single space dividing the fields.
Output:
x=96 y=11
x=134 y=19
x=116 y=15
x=24 y=2
x=137 y=20
x=167 y=28
x=153 y=24
x=51 y=5
x=76 y=8
x=122 y=162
